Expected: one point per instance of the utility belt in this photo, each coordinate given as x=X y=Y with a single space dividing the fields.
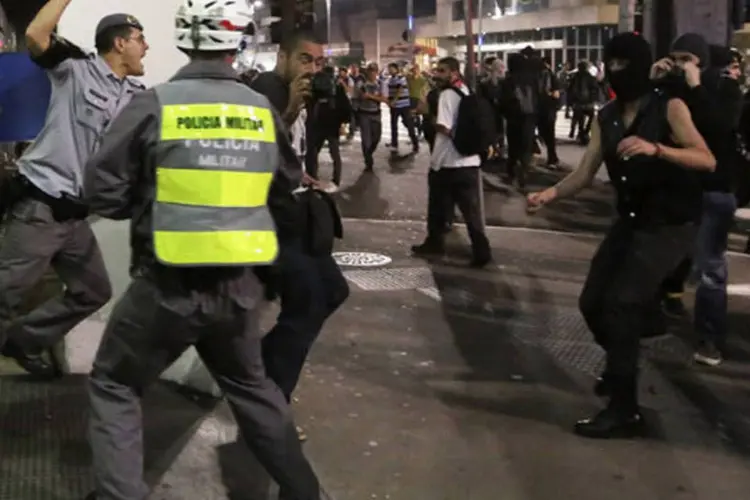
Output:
x=17 y=188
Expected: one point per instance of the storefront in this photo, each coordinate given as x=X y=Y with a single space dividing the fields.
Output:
x=567 y=43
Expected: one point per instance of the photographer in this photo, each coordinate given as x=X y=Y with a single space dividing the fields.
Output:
x=328 y=107
x=310 y=284
x=715 y=101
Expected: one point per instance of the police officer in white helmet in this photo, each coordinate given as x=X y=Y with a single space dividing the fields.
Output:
x=194 y=163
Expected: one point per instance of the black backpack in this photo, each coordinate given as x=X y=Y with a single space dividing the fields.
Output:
x=475 y=129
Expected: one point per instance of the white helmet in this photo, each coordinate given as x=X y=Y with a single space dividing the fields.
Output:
x=212 y=25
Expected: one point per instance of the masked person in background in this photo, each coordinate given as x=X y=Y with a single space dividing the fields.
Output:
x=519 y=96
x=653 y=154
x=715 y=100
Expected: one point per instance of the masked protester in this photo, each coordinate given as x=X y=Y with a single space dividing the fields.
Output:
x=520 y=106
x=653 y=153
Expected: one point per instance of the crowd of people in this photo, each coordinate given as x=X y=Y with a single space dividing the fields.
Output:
x=223 y=218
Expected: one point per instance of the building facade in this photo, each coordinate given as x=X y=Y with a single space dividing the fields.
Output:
x=563 y=30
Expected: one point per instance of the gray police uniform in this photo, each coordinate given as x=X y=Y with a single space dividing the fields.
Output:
x=48 y=225
x=169 y=308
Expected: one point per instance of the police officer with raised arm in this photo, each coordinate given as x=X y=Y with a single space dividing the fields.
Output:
x=46 y=222
x=194 y=164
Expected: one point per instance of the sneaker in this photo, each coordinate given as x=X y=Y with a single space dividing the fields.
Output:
x=708 y=354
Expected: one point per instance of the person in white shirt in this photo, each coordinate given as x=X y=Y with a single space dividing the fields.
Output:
x=453 y=178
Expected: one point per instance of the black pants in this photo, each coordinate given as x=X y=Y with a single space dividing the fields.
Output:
x=417 y=118
x=521 y=132
x=408 y=120
x=447 y=188
x=370 y=130
x=619 y=299
x=582 y=117
x=674 y=284
x=315 y=141
x=311 y=288
x=546 y=125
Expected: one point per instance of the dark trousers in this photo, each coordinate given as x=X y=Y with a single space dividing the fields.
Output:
x=582 y=117
x=674 y=284
x=546 y=126
x=447 y=188
x=32 y=243
x=312 y=288
x=407 y=118
x=315 y=141
x=710 y=314
x=370 y=130
x=619 y=297
x=416 y=116
x=150 y=327
x=521 y=132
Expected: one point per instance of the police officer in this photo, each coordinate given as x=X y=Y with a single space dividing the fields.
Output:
x=191 y=163
x=47 y=224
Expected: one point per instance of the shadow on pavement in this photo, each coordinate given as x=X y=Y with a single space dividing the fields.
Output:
x=363 y=198
x=243 y=476
x=45 y=452
x=498 y=332
x=721 y=394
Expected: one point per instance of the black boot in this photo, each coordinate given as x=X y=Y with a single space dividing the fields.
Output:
x=603 y=386
x=430 y=248
x=621 y=418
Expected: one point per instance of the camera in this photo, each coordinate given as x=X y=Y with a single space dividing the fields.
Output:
x=322 y=84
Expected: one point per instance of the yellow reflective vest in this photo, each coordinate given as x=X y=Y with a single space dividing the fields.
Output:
x=216 y=158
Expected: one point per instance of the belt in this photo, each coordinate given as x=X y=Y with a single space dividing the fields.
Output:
x=65 y=208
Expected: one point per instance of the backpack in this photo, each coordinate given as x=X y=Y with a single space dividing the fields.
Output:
x=475 y=129
x=583 y=90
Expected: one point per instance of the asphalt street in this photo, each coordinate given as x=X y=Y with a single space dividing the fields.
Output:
x=433 y=382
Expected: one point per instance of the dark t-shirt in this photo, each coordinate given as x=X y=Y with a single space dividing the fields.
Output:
x=283 y=206
x=271 y=85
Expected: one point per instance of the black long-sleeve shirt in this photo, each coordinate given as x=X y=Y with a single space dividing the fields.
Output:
x=716 y=108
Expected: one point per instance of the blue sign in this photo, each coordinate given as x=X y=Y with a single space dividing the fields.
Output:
x=24 y=97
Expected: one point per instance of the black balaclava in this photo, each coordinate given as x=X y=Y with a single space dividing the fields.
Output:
x=695 y=44
x=631 y=82
x=515 y=63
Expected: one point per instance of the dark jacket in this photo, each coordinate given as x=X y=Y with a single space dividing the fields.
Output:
x=120 y=177
x=583 y=90
x=716 y=108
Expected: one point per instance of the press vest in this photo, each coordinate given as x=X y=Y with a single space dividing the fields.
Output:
x=216 y=159
x=650 y=191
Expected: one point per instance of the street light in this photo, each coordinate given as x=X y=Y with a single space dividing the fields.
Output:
x=328 y=26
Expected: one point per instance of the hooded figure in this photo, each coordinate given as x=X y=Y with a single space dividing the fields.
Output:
x=630 y=81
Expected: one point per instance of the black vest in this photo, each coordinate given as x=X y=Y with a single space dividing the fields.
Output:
x=650 y=191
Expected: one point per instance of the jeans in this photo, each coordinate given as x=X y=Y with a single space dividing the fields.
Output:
x=371 y=129
x=408 y=120
x=710 y=315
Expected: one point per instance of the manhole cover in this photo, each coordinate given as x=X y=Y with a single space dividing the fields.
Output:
x=361 y=259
